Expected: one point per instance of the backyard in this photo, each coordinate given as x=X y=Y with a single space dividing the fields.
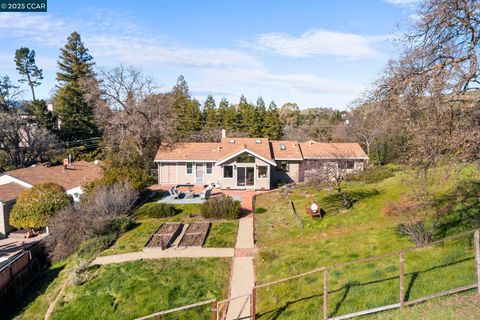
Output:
x=287 y=249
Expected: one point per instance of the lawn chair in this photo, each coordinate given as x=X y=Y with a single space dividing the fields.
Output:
x=174 y=193
x=206 y=193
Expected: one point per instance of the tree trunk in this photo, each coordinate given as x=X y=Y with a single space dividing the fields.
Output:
x=346 y=203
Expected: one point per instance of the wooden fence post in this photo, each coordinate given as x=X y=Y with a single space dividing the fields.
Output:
x=214 y=310
x=325 y=294
x=402 y=295
x=253 y=304
x=477 y=257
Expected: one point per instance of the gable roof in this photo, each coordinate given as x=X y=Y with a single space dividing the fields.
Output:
x=10 y=191
x=262 y=148
x=318 y=150
x=214 y=151
x=292 y=150
x=83 y=173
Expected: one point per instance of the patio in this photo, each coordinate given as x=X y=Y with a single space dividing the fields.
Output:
x=196 y=199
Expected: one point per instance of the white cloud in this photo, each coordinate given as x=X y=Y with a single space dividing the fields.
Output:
x=319 y=43
x=402 y=3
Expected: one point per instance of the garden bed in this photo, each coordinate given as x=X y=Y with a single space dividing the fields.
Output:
x=165 y=235
x=195 y=234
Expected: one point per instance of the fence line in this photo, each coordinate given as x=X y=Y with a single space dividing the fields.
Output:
x=325 y=269
x=158 y=315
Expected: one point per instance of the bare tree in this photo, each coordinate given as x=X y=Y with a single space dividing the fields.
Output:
x=133 y=112
x=364 y=124
x=23 y=142
x=330 y=174
x=9 y=93
x=92 y=218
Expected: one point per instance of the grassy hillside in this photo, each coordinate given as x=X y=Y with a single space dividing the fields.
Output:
x=344 y=235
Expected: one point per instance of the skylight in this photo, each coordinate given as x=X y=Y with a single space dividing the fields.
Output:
x=231 y=141
x=283 y=147
x=258 y=141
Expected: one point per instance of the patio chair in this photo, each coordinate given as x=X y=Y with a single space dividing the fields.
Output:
x=174 y=193
x=314 y=210
x=206 y=193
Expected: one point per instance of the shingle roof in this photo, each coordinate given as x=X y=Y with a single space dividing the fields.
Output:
x=206 y=151
x=79 y=174
x=292 y=150
x=10 y=191
x=313 y=149
x=270 y=150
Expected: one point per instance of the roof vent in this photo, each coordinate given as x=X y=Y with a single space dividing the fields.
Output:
x=283 y=147
x=231 y=141
x=258 y=141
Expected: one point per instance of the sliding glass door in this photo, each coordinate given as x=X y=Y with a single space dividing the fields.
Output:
x=245 y=176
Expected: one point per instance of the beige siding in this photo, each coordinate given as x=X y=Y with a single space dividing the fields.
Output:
x=5 y=227
x=176 y=173
x=259 y=183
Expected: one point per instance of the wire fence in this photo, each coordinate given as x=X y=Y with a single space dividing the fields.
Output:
x=360 y=287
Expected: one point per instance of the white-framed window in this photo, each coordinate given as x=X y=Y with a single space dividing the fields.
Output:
x=228 y=172
x=262 y=172
x=208 y=168
x=189 y=168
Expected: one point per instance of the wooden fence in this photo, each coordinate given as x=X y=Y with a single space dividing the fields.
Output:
x=18 y=273
x=325 y=270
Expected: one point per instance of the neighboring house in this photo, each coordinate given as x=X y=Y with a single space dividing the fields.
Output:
x=251 y=163
x=12 y=183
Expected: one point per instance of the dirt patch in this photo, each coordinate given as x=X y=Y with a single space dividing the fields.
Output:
x=165 y=235
x=195 y=234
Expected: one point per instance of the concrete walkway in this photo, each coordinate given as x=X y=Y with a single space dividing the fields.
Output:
x=243 y=272
x=188 y=252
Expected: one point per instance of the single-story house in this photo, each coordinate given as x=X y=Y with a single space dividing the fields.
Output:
x=14 y=182
x=251 y=163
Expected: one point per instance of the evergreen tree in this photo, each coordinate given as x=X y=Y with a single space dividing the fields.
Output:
x=75 y=113
x=210 y=115
x=44 y=117
x=227 y=115
x=26 y=66
x=260 y=112
x=273 y=123
x=188 y=111
x=246 y=117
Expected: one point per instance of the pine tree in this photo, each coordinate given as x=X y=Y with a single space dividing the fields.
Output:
x=273 y=123
x=43 y=117
x=75 y=113
x=226 y=114
x=260 y=112
x=210 y=115
x=187 y=111
x=246 y=117
x=26 y=66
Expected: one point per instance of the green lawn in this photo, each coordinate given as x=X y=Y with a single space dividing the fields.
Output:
x=134 y=289
x=222 y=235
x=286 y=249
x=460 y=306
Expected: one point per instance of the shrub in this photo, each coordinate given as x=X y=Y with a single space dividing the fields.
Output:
x=268 y=255
x=80 y=273
x=373 y=175
x=138 y=178
x=223 y=207
x=156 y=210
x=92 y=247
x=260 y=210
x=35 y=206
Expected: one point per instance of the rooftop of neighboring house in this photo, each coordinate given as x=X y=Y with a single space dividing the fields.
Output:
x=77 y=174
x=269 y=150
x=10 y=191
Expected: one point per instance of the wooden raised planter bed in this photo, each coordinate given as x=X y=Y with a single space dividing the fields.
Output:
x=195 y=234
x=165 y=235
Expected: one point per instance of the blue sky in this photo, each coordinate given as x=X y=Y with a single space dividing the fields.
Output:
x=315 y=53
